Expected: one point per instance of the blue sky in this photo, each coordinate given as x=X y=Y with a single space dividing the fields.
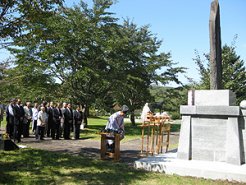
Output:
x=183 y=25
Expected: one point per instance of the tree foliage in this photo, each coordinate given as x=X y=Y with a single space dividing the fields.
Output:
x=233 y=72
x=85 y=55
x=15 y=14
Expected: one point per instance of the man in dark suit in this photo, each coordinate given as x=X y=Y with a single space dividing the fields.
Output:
x=50 y=126
x=78 y=117
x=66 y=115
x=11 y=118
x=20 y=114
x=57 y=122
x=70 y=110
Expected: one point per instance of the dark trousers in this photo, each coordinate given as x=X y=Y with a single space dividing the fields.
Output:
x=57 y=130
x=66 y=134
x=14 y=131
x=76 y=131
x=26 y=129
x=10 y=129
x=49 y=128
x=40 y=132
x=17 y=131
x=34 y=125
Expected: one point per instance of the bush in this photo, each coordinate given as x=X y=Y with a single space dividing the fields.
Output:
x=175 y=115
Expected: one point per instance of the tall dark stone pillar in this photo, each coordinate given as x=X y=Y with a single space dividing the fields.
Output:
x=215 y=47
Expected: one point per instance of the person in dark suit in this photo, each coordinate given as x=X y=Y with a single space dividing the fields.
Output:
x=63 y=109
x=20 y=114
x=11 y=118
x=50 y=126
x=66 y=115
x=70 y=110
x=57 y=122
x=78 y=117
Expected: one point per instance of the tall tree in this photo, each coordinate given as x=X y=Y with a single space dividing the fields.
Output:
x=139 y=62
x=233 y=73
x=70 y=46
x=15 y=14
x=92 y=58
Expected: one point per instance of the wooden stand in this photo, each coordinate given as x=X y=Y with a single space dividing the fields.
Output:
x=156 y=127
x=116 y=153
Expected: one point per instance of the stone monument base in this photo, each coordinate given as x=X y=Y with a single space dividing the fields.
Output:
x=169 y=164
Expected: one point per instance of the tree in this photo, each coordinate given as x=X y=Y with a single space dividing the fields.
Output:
x=138 y=63
x=233 y=72
x=15 y=14
x=71 y=47
x=86 y=55
x=169 y=99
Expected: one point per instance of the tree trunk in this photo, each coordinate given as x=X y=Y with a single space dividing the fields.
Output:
x=132 y=118
x=86 y=114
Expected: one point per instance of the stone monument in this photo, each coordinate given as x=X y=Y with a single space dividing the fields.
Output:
x=213 y=128
x=212 y=138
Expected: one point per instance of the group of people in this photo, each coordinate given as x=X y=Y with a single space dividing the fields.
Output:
x=50 y=119
x=54 y=120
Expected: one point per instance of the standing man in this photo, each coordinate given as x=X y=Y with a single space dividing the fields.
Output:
x=34 y=117
x=63 y=109
x=27 y=119
x=50 y=112
x=20 y=114
x=66 y=114
x=42 y=121
x=57 y=121
x=70 y=110
x=11 y=119
x=78 y=117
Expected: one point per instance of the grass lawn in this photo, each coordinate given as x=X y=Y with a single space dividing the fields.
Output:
x=31 y=166
x=132 y=132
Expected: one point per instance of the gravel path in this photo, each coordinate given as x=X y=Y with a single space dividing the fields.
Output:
x=130 y=150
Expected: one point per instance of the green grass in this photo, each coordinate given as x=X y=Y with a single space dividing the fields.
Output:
x=31 y=166
x=132 y=132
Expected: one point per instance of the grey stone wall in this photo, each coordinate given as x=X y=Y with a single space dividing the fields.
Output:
x=208 y=139
x=212 y=133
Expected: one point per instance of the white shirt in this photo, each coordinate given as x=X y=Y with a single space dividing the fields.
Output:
x=116 y=122
x=34 y=113
x=42 y=118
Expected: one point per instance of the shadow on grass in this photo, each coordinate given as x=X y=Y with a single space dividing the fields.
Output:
x=30 y=166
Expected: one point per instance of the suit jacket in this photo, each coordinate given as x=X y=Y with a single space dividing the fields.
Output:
x=11 y=117
x=78 y=117
x=57 y=115
x=20 y=112
x=50 y=114
x=70 y=115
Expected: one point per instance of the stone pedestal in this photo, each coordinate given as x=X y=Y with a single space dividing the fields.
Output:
x=212 y=129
